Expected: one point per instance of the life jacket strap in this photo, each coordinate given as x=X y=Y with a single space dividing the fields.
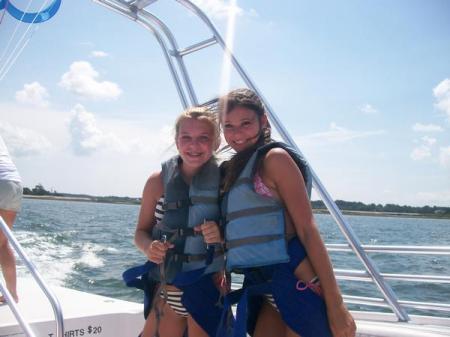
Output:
x=251 y=211
x=173 y=205
x=253 y=240
x=199 y=199
x=175 y=233
x=196 y=199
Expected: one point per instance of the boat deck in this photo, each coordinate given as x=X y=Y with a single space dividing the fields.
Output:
x=84 y=314
x=93 y=315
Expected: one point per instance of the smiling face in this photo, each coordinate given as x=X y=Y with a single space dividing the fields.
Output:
x=242 y=127
x=195 y=142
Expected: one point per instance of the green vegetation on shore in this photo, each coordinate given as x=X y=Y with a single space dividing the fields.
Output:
x=40 y=191
x=349 y=207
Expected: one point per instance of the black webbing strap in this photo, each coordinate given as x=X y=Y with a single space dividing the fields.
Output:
x=252 y=211
x=198 y=199
x=253 y=240
x=172 y=205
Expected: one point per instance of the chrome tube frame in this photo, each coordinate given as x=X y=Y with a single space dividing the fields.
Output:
x=380 y=302
x=123 y=8
x=345 y=228
x=362 y=275
x=434 y=250
x=57 y=311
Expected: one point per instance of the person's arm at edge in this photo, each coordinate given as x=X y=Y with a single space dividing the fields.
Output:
x=278 y=165
x=153 y=190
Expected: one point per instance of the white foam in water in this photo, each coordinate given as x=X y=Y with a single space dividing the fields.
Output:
x=90 y=259
x=44 y=254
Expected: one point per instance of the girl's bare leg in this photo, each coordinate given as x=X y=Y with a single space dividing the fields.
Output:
x=269 y=322
x=7 y=259
x=170 y=325
x=195 y=330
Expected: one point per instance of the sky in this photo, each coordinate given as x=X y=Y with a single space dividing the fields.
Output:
x=363 y=87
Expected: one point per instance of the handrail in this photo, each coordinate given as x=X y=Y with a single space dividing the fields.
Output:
x=379 y=302
x=362 y=275
x=345 y=228
x=397 y=249
x=57 y=311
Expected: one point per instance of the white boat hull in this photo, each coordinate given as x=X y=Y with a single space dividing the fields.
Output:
x=84 y=314
x=91 y=315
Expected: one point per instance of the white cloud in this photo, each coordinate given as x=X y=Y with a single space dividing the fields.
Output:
x=429 y=141
x=442 y=94
x=368 y=109
x=423 y=150
x=220 y=8
x=420 y=152
x=34 y=94
x=444 y=157
x=419 y=127
x=23 y=142
x=87 y=137
x=82 y=80
x=99 y=54
x=338 y=134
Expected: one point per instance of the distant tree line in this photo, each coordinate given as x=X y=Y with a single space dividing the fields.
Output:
x=40 y=190
x=390 y=208
x=316 y=204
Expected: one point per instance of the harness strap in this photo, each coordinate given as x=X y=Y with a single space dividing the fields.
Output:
x=251 y=211
x=241 y=297
x=176 y=233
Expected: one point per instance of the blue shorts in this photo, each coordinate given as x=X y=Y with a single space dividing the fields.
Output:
x=300 y=307
x=10 y=195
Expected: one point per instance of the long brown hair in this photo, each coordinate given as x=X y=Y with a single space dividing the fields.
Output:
x=245 y=98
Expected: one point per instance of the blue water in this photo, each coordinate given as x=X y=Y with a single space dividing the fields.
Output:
x=86 y=246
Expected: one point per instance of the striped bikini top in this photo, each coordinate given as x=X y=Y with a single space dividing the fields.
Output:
x=159 y=211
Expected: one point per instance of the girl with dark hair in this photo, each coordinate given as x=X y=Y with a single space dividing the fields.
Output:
x=270 y=233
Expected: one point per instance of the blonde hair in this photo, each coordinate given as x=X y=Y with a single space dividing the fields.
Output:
x=202 y=114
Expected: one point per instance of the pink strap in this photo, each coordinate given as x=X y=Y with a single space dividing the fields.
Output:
x=314 y=285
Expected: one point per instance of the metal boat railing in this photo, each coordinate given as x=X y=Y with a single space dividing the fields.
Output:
x=59 y=319
x=363 y=276
x=137 y=10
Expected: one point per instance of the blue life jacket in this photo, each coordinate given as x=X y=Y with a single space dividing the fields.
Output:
x=255 y=225
x=186 y=206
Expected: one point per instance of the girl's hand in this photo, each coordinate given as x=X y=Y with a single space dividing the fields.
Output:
x=341 y=321
x=210 y=231
x=157 y=250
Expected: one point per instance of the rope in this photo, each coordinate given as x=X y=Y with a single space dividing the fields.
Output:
x=6 y=8
x=12 y=58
